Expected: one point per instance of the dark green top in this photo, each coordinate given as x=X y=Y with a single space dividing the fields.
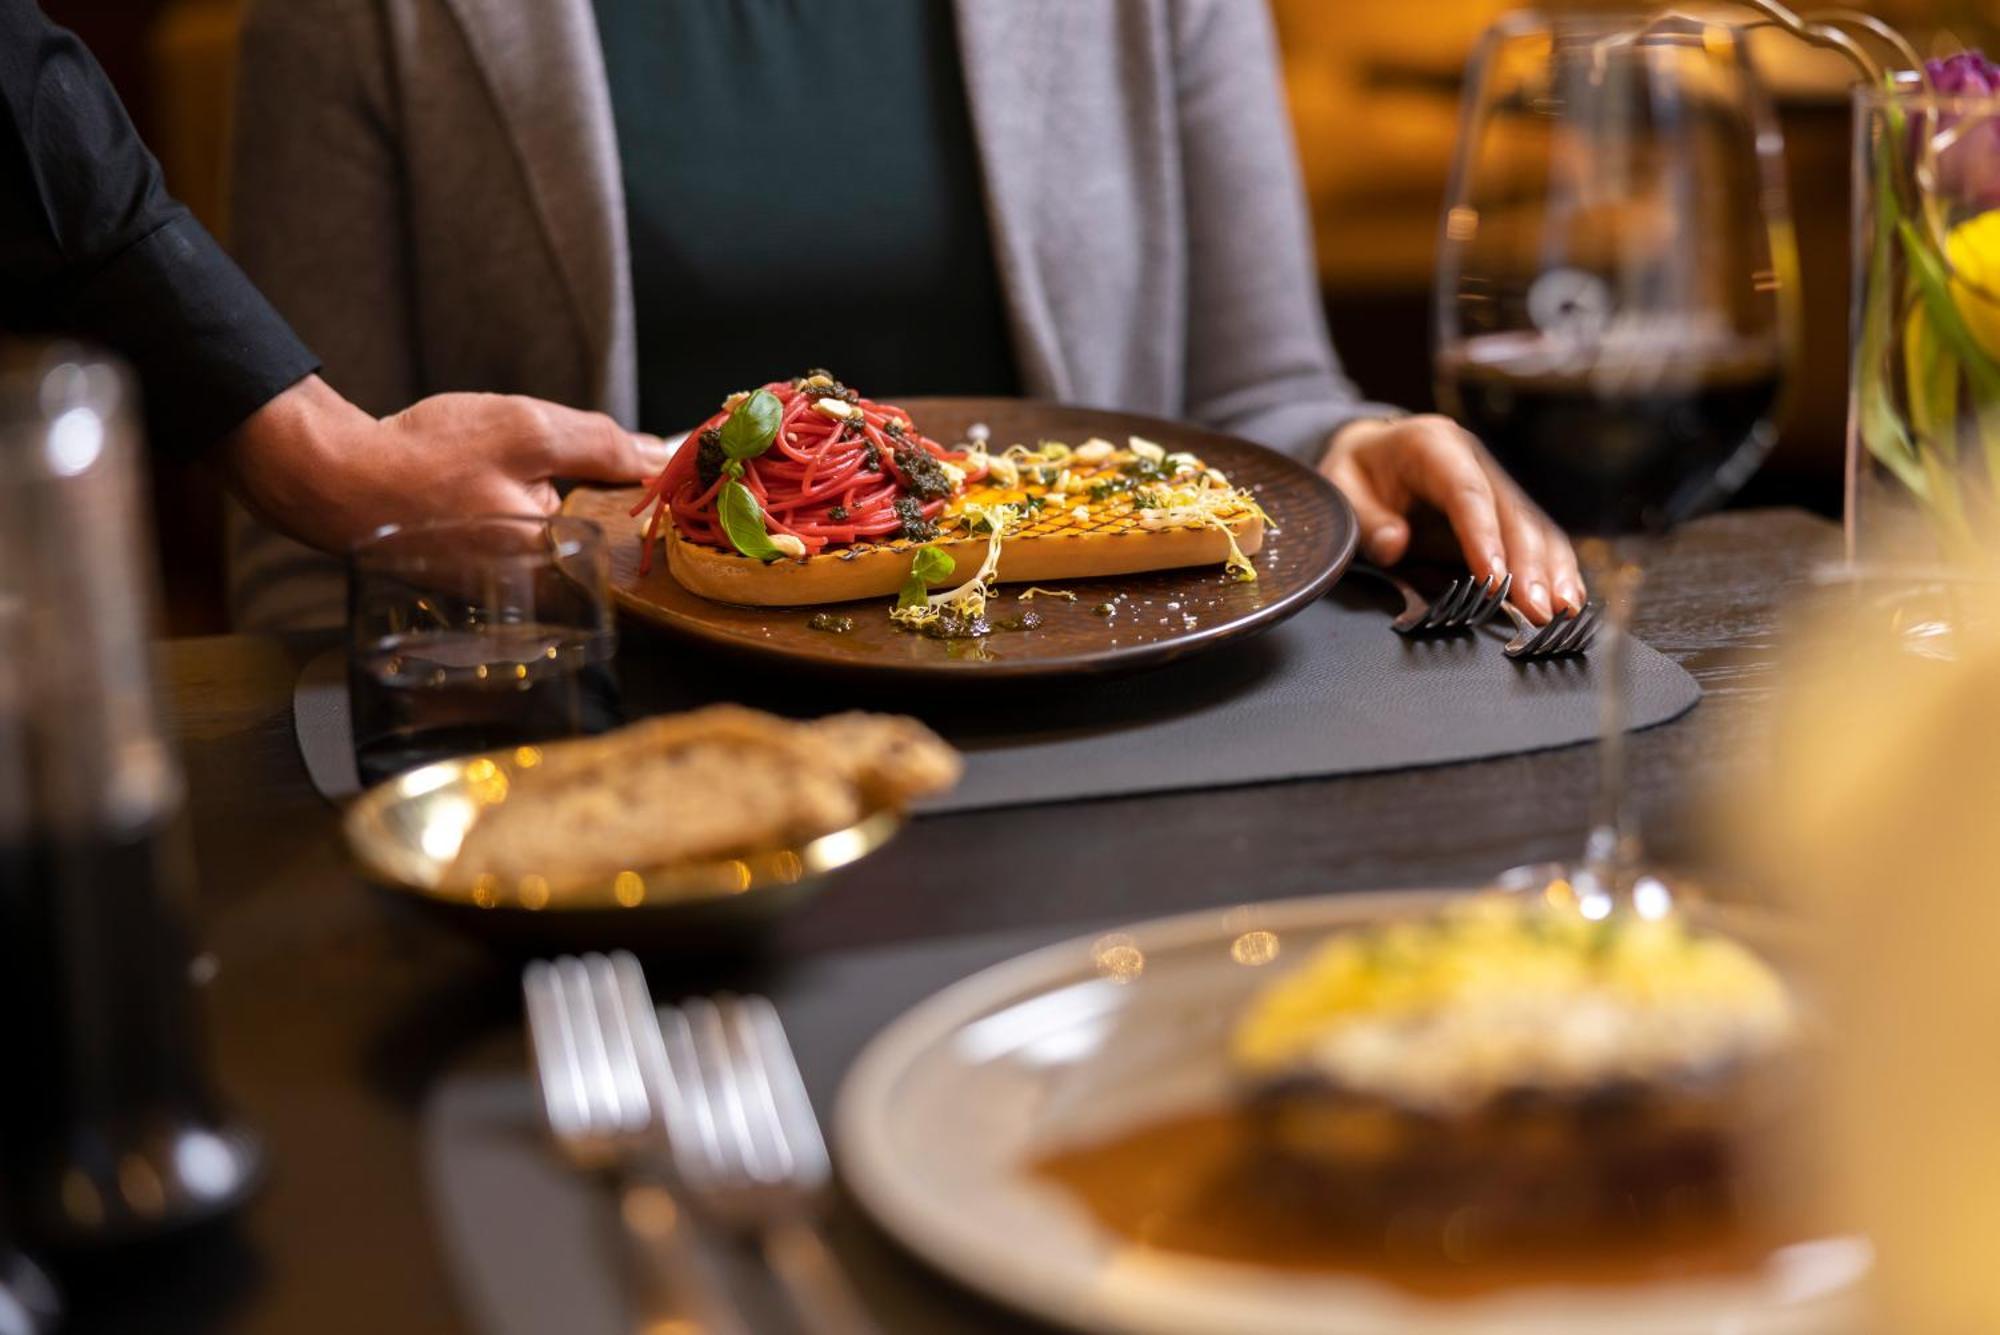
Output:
x=801 y=190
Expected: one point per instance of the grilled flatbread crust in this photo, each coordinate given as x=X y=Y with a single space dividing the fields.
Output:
x=879 y=571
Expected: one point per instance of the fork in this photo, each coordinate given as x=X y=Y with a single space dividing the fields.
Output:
x=590 y=1021
x=1465 y=603
x=1568 y=632
x=748 y=1148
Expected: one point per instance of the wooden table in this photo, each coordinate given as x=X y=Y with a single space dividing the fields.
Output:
x=333 y=1013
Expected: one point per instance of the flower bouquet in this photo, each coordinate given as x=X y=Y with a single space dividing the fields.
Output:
x=1924 y=411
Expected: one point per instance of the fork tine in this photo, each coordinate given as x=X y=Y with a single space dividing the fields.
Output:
x=768 y=1159
x=1469 y=597
x=649 y=1049
x=1550 y=634
x=627 y=1090
x=1564 y=640
x=1583 y=628
x=1578 y=630
x=557 y=1070
x=1593 y=623
x=796 y=1121
x=692 y=1133
x=1446 y=610
x=754 y=1080
x=1496 y=591
x=1588 y=622
x=586 y=1033
x=1476 y=593
x=1434 y=615
x=737 y=1139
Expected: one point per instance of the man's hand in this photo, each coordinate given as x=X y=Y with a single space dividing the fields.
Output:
x=1387 y=468
x=312 y=464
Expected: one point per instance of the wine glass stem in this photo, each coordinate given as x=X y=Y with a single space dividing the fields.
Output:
x=1611 y=853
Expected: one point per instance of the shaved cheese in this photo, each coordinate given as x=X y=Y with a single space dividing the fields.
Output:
x=1204 y=507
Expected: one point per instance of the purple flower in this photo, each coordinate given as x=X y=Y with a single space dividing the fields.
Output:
x=1968 y=167
x=1967 y=74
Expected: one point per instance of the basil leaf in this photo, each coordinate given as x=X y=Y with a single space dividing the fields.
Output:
x=933 y=564
x=753 y=426
x=743 y=521
x=928 y=566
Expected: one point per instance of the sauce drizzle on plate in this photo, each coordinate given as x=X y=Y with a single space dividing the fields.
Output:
x=1197 y=1184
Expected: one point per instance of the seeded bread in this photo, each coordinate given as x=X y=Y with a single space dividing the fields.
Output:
x=713 y=784
x=890 y=758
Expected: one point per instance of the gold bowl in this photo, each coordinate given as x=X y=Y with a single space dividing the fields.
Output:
x=405 y=834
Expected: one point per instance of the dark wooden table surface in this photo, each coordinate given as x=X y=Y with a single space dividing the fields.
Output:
x=332 y=1014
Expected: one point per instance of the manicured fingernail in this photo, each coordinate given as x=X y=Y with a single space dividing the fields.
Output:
x=1571 y=593
x=1496 y=565
x=1382 y=536
x=1538 y=599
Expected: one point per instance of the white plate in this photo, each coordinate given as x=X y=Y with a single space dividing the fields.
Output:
x=1075 y=1042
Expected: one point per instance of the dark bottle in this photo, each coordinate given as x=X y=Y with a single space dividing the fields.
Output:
x=108 y=1125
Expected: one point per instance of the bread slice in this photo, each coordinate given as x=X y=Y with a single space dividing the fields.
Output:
x=1074 y=520
x=709 y=785
x=892 y=759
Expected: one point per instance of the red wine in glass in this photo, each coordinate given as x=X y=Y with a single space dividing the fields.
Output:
x=1623 y=443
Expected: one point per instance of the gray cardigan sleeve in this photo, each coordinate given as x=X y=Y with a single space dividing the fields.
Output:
x=317 y=218
x=317 y=212
x=1259 y=361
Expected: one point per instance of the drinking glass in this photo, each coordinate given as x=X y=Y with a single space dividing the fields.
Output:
x=1615 y=306
x=477 y=634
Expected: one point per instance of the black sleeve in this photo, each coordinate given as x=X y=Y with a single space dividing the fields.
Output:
x=92 y=246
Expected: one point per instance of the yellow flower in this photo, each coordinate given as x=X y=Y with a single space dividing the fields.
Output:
x=1973 y=250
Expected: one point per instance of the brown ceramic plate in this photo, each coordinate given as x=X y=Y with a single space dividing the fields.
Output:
x=1160 y=616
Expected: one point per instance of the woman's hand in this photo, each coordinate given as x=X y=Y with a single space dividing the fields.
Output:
x=1386 y=468
x=313 y=465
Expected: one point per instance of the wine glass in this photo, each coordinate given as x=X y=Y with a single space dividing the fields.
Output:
x=1615 y=308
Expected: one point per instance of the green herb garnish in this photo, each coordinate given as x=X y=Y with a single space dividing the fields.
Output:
x=752 y=426
x=927 y=567
x=743 y=520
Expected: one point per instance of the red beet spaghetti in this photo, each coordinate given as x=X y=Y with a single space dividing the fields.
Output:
x=842 y=469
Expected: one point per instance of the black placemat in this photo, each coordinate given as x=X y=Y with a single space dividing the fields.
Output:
x=1330 y=692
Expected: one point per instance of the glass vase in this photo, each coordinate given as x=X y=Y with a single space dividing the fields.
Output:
x=1923 y=448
